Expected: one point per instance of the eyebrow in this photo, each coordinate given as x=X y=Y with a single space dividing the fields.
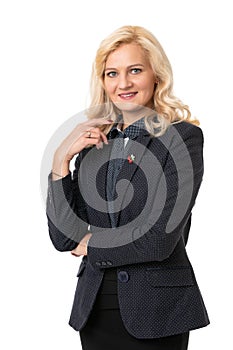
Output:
x=132 y=65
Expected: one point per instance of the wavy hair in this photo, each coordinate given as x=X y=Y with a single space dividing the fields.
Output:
x=167 y=108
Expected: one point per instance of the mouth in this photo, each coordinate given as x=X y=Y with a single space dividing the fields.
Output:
x=127 y=95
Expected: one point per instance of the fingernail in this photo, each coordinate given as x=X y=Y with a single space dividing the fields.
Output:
x=110 y=120
x=99 y=145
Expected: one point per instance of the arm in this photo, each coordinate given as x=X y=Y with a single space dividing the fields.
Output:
x=66 y=210
x=158 y=240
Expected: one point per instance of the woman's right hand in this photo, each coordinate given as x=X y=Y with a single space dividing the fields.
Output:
x=84 y=135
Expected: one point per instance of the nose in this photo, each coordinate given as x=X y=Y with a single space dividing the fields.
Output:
x=124 y=81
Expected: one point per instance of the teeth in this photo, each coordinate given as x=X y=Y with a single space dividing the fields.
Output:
x=127 y=95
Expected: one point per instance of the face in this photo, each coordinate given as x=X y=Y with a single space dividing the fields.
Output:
x=128 y=78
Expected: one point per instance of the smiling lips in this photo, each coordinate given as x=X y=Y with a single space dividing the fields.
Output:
x=127 y=95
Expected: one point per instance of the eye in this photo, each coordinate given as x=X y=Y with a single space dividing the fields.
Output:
x=135 y=70
x=111 y=74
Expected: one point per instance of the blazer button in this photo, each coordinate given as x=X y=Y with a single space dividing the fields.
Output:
x=109 y=263
x=98 y=263
x=123 y=276
x=103 y=263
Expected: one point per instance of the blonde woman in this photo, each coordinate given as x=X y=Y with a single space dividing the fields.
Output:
x=127 y=206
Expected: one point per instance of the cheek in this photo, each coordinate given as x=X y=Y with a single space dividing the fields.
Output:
x=148 y=88
x=109 y=87
x=147 y=84
x=151 y=90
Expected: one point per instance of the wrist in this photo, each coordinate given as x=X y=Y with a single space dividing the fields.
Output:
x=60 y=168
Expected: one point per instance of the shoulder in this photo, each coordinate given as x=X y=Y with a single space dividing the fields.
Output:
x=180 y=131
x=179 y=137
x=187 y=130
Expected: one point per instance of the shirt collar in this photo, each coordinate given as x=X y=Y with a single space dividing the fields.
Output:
x=132 y=131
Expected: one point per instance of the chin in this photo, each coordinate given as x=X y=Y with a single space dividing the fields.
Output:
x=128 y=106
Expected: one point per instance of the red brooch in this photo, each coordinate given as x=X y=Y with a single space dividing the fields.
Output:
x=131 y=158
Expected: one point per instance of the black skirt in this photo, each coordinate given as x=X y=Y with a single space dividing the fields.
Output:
x=105 y=330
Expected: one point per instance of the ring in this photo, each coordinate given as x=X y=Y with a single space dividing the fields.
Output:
x=89 y=133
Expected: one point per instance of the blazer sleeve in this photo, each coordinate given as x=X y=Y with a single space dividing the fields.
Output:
x=157 y=241
x=66 y=211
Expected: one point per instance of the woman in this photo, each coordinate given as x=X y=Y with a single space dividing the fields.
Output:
x=127 y=206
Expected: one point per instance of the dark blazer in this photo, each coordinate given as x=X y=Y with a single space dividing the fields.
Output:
x=157 y=289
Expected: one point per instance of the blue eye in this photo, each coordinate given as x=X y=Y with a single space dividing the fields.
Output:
x=112 y=74
x=136 y=70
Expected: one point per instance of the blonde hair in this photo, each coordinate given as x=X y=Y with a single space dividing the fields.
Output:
x=168 y=108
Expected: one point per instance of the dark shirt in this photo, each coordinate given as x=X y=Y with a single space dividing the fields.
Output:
x=118 y=155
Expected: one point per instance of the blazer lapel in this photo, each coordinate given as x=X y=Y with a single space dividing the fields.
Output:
x=136 y=149
x=94 y=175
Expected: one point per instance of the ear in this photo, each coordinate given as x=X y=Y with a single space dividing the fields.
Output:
x=156 y=82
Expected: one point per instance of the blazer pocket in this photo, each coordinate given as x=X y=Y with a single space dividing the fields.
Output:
x=81 y=268
x=170 y=277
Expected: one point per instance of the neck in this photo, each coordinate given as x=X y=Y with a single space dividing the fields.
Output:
x=129 y=121
x=130 y=118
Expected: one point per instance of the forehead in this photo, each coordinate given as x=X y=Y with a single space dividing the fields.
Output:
x=125 y=55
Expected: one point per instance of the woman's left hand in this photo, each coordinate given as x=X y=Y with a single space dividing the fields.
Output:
x=81 y=248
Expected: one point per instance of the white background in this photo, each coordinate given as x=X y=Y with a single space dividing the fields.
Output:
x=47 y=48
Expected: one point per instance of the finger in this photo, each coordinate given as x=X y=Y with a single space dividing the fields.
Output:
x=93 y=142
x=92 y=134
x=79 y=144
x=74 y=254
x=94 y=130
x=104 y=137
x=80 y=250
x=99 y=145
x=96 y=133
x=82 y=244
